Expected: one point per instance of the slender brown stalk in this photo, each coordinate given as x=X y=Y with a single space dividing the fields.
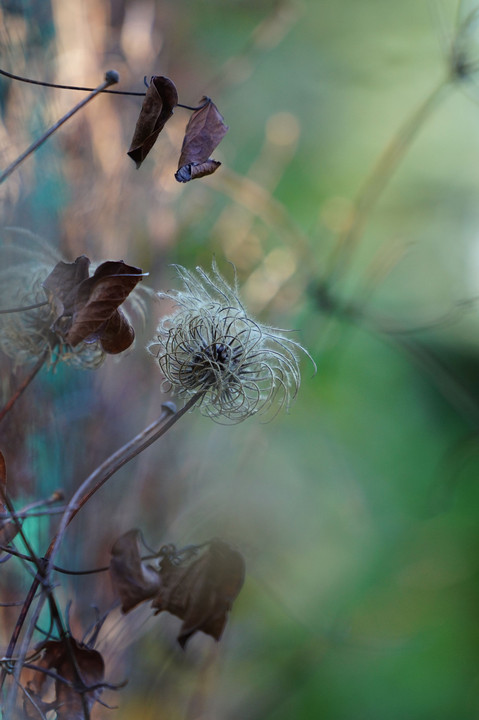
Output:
x=111 y=77
x=23 y=386
x=105 y=471
x=86 y=490
x=57 y=86
x=378 y=179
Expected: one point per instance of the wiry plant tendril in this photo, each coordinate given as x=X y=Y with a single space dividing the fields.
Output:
x=210 y=345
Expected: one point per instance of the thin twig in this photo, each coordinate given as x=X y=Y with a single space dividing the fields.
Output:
x=378 y=179
x=97 y=479
x=87 y=89
x=23 y=386
x=105 y=471
x=111 y=77
x=24 y=308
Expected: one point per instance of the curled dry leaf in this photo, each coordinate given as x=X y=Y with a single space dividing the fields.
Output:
x=198 y=584
x=160 y=100
x=201 y=592
x=204 y=132
x=86 y=670
x=87 y=307
x=134 y=580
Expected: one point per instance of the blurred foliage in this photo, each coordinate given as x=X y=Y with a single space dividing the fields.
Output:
x=357 y=513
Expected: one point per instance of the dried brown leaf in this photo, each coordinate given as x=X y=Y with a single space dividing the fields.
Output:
x=117 y=334
x=87 y=664
x=87 y=307
x=98 y=298
x=201 y=592
x=204 y=132
x=134 y=580
x=63 y=281
x=160 y=100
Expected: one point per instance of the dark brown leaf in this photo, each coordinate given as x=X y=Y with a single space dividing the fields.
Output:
x=98 y=298
x=160 y=100
x=63 y=281
x=86 y=670
x=204 y=132
x=88 y=306
x=134 y=580
x=201 y=592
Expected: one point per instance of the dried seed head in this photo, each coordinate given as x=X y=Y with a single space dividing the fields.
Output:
x=210 y=345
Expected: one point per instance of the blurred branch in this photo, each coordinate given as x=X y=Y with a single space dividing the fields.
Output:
x=23 y=385
x=378 y=179
x=111 y=77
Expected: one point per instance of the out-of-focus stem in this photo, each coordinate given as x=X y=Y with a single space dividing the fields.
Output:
x=26 y=382
x=86 y=490
x=111 y=77
x=378 y=180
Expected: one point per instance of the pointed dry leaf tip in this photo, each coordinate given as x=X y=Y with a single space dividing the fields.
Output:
x=160 y=100
x=204 y=132
x=87 y=307
x=78 y=667
x=209 y=344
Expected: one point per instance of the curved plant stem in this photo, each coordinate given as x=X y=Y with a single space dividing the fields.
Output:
x=24 y=308
x=23 y=386
x=86 y=490
x=104 y=472
x=111 y=77
x=42 y=83
x=378 y=179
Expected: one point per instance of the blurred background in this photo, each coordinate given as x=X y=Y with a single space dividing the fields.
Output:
x=357 y=512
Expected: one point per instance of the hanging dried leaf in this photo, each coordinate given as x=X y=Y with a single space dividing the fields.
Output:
x=160 y=100
x=134 y=580
x=87 y=307
x=86 y=670
x=201 y=592
x=197 y=584
x=204 y=132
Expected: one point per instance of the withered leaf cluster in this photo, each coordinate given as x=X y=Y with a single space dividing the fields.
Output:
x=199 y=586
x=87 y=308
x=78 y=668
x=204 y=132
